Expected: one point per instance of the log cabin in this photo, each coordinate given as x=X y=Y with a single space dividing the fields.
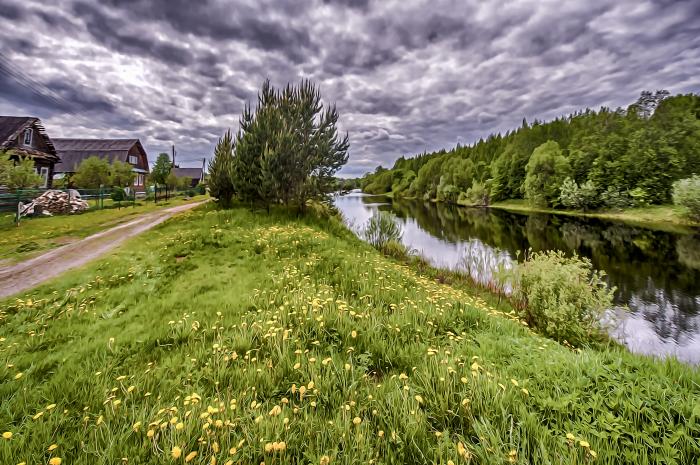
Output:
x=24 y=136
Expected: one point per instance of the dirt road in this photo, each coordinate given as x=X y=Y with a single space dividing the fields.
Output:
x=30 y=273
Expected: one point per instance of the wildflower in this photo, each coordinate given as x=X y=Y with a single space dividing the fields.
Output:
x=356 y=421
x=7 y=435
x=180 y=426
x=53 y=447
x=136 y=426
x=18 y=375
x=150 y=433
x=353 y=334
x=176 y=452
x=419 y=399
x=570 y=436
x=190 y=456
x=325 y=460
x=380 y=434
x=593 y=453
x=584 y=444
x=55 y=461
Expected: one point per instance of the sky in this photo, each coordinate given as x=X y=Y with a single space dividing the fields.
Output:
x=406 y=76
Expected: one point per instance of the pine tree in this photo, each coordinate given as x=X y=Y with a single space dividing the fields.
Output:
x=221 y=170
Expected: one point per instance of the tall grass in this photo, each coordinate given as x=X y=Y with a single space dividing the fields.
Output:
x=250 y=338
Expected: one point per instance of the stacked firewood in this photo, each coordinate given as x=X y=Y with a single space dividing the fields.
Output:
x=55 y=202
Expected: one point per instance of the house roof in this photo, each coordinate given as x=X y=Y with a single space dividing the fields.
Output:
x=12 y=126
x=193 y=173
x=74 y=151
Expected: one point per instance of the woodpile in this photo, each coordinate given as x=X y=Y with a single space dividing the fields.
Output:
x=55 y=202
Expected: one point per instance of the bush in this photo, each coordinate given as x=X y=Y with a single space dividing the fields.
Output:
x=478 y=194
x=561 y=297
x=118 y=194
x=583 y=197
x=382 y=229
x=686 y=193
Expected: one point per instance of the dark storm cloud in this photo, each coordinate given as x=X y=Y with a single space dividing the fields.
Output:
x=407 y=76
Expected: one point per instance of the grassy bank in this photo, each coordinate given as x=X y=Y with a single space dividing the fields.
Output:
x=246 y=337
x=36 y=235
x=658 y=216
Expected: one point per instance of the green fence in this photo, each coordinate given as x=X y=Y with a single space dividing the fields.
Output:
x=10 y=200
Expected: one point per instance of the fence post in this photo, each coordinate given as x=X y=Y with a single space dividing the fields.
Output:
x=19 y=199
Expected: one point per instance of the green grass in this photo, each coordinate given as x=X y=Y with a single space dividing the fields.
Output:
x=35 y=235
x=665 y=217
x=204 y=331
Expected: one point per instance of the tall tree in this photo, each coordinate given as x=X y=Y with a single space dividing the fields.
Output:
x=161 y=169
x=546 y=171
x=221 y=171
x=122 y=174
x=92 y=173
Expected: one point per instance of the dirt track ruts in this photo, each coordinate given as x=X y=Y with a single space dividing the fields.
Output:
x=30 y=273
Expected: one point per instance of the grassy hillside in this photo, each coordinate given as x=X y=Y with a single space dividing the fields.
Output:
x=231 y=337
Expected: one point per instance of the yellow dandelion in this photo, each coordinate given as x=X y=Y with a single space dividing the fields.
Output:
x=593 y=453
x=570 y=436
x=150 y=433
x=190 y=456
x=7 y=435
x=176 y=452
x=268 y=447
x=584 y=444
x=325 y=460
x=136 y=426
x=353 y=334
x=419 y=399
x=55 y=461
x=18 y=375
x=356 y=421
x=53 y=447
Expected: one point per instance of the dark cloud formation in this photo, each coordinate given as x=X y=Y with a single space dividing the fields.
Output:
x=406 y=76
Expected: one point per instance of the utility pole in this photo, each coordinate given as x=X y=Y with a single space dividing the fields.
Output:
x=204 y=160
x=173 y=155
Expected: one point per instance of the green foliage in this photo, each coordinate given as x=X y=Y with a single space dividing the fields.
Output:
x=478 y=194
x=648 y=146
x=92 y=173
x=20 y=174
x=122 y=174
x=288 y=149
x=381 y=229
x=546 y=172
x=561 y=297
x=583 y=197
x=221 y=171
x=686 y=193
x=161 y=169
x=118 y=194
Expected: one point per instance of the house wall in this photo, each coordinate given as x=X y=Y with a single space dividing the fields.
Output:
x=38 y=143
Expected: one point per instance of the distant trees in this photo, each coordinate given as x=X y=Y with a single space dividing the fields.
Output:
x=18 y=175
x=616 y=159
x=286 y=151
x=546 y=171
x=122 y=174
x=686 y=193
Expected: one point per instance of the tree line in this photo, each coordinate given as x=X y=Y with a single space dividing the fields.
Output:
x=286 y=150
x=590 y=159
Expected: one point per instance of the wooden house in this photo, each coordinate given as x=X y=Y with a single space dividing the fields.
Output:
x=24 y=136
x=74 y=151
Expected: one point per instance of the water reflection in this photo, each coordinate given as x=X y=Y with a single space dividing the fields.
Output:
x=657 y=274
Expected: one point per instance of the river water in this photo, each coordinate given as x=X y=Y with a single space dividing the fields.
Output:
x=656 y=273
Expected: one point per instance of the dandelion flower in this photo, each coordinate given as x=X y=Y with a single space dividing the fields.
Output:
x=176 y=452
x=325 y=460
x=190 y=456
x=570 y=436
x=593 y=453
x=584 y=444
x=7 y=435
x=18 y=375
x=136 y=426
x=356 y=421
x=55 y=461
x=419 y=399
x=53 y=447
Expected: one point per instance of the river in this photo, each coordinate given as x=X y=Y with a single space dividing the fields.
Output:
x=656 y=273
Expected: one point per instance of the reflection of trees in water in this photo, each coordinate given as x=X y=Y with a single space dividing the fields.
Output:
x=688 y=250
x=656 y=273
x=483 y=263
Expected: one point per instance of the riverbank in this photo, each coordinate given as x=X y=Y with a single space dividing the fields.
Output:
x=662 y=217
x=670 y=218
x=253 y=337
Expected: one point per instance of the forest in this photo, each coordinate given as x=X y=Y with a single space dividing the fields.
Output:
x=588 y=160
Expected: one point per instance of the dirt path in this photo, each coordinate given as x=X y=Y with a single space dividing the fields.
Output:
x=30 y=273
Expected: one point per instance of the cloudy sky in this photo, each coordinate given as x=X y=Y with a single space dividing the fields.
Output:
x=406 y=76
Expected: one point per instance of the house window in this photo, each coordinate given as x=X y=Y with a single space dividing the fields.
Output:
x=44 y=173
x=133 y=159
x=27 y=137
x=139 y=180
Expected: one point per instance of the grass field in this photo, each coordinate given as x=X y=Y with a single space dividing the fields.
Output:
x=230 y=337
x=35 y=235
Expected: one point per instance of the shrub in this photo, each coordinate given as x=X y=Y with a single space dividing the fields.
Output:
x=686 y=193
x=118 y=194
x=478 y=194
x=561 y=297
x=583 y=197
x=381 y=229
